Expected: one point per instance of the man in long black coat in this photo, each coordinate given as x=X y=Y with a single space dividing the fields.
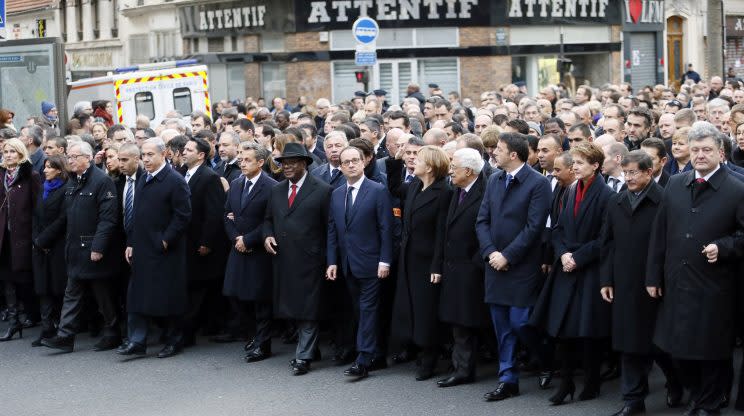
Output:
x=90 y=212
x=295 y=232
x=248 y=274
x=461 y=298
x=624 y=248
x=696 y=244
x=205 y=237
x=156 y=249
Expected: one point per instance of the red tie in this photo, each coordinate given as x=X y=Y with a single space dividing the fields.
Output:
x=292 y=195
x=700 y=180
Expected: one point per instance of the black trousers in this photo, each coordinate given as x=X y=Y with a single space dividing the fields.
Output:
x=263 y=311
x=72 y=306
x=704 y=380
x=464 y=350
x=588 y=352
x=50 y=308
x=635 y=371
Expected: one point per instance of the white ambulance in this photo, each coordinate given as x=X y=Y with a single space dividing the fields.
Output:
x=150 y=89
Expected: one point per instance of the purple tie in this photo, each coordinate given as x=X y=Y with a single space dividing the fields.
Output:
x=463 y=192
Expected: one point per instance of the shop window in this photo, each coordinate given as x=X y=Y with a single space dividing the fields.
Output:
x=182 y=100
x=273 y=42
x=274 y=80
x=144 y=104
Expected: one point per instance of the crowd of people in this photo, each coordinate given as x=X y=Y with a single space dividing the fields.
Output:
x=600 y=229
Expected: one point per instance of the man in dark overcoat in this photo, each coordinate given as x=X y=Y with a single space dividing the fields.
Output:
x=696 y=245
x=248 y=274
x=295 y=232
x=90 y=209
x=156 y=249
x=461 y=298
x=624 y=248
x=206 y=243
x=510 y=225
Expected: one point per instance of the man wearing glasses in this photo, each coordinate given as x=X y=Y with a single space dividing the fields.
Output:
x=360 y=244
x=91 y=210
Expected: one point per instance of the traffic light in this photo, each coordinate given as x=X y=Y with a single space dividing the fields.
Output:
x=362 y=77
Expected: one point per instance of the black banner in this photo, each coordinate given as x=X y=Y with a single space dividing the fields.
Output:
x=338 y=15
x=247 y=16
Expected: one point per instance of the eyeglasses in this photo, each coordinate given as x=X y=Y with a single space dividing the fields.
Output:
x=350 y=162
x=73 y=157
x=632 y=173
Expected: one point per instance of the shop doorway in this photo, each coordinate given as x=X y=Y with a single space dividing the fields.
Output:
x=675 y=48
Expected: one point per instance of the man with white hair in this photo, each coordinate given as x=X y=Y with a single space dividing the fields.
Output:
x=461 y=296
x=717 y=107
x=91 y=221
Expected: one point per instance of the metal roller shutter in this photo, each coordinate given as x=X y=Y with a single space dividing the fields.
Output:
x=643 y=60
x=442 y=72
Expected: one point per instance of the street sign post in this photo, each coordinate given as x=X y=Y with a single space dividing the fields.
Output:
x=365 y=31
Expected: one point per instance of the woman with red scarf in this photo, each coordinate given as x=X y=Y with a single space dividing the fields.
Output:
x=104 y=111
x=570 y=307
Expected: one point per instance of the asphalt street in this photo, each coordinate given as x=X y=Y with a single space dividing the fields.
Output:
x=212 y=379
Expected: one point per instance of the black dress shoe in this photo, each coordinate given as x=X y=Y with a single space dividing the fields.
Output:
x=64 y=344
x=343 y=358
x=169 y=351
x=43 y=335
x=251 y=345
x=674 y=395
x=629 y=410
x=544 y=379
x=503 y=391
x=357 y=370
x=403 y=357
x=424 y=373
x=611 y=373
x=704 y=412
x=257 y=354
x=131 y=348
x=107 y=343
x=379 y=363
x=300 y=367
x=225 y=338
x=452 y=381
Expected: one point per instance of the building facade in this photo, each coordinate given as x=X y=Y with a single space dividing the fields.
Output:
x=293 y=48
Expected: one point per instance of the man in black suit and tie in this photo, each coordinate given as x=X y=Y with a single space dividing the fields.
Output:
x=295 y=232
x=156 y=250
x=205 y=237
x=248 y=273
x=461 y=298
x=360 y=241
x=693 y=264
x=611 y=168
x=656 y=149
x=228 y=166
x=330 y=172
x=510 y=225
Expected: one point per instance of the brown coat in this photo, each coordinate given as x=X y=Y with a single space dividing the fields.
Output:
x=16 y=209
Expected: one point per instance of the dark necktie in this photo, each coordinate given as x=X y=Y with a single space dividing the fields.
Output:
x=292 y=195
x=129 y=203
x=148 y=178
x=349 y=203
x=246 y=190
x=334 y=174
x=509 y=178
x=463 y=194
x=409 y=178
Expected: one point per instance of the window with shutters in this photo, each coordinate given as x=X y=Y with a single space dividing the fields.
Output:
x=394 y=75
x=139 y=49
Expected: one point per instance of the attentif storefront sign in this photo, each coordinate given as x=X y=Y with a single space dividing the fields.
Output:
x=247 y=16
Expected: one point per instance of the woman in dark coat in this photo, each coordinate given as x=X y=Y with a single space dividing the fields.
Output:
x=19 y=187
x=48 y=256
x=680 y=160
x=427 y=198
x=570 y=307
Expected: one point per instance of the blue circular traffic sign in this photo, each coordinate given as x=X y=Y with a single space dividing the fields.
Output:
x=365 y=30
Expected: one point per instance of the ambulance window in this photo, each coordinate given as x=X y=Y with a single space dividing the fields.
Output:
x=182 y=100
x=144 y=104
